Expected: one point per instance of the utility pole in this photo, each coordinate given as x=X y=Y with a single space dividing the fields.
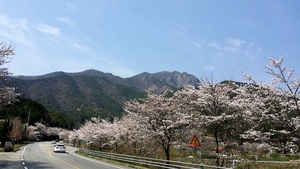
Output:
x=27 y=131
x=28 y=117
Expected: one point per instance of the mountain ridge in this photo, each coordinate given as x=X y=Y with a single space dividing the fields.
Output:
x=92 y=92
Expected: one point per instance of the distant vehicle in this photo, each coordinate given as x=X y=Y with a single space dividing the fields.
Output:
x=53 y=142
x=59 y=147
x=8 y=146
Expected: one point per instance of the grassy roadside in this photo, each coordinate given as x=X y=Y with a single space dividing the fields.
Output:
x=17 y=147
x=280 y=164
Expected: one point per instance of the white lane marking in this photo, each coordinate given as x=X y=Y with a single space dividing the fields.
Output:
x=22 y=158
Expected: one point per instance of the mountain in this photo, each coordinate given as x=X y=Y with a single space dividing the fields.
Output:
x=162 y=80
x=94 y=93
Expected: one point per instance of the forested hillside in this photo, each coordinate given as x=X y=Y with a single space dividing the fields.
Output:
x=93 y=93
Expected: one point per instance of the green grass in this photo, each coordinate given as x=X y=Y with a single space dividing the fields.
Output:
x=240 y=165
x=256 y=165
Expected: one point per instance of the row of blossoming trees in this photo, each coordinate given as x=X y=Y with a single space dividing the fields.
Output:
x=224 y=115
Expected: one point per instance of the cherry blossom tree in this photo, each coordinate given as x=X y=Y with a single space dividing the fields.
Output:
x=285 y=82
x=7 y=94
x=115 y=134
x=215 y=111
x=101 y=133
x=138 y=141
x=62 y=133
x=88 y=131
x=275 y=108
x=161 y=118
x=41 y=131
x=33 y=133
x=97 y=132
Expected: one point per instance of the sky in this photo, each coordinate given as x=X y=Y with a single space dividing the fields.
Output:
x=219 y=38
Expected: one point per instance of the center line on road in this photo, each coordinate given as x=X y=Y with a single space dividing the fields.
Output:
x=49 y=153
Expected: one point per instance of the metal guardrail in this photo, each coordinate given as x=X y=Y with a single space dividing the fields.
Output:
x=270 y=162
x=152 y=162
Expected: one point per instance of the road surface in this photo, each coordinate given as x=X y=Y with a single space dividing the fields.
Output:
x=40 y=155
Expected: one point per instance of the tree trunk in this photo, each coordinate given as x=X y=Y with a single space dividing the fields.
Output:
x=167 y=153
x=217 y=146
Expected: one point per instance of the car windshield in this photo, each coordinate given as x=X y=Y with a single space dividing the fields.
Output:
x=60 y=146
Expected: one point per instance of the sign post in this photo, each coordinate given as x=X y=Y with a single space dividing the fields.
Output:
x=195 y=143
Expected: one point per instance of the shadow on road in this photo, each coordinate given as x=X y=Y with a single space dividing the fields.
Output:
x=5 y=164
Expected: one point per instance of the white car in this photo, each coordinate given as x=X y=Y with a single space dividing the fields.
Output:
x=59 y=148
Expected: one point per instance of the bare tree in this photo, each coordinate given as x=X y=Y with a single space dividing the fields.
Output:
x=16 y=130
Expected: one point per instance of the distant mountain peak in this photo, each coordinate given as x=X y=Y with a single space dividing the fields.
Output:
x=171 y=80
x=94 y=72
x=91 y=72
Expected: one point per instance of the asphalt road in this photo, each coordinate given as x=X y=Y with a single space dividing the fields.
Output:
x=10 y=160
x=40 y=155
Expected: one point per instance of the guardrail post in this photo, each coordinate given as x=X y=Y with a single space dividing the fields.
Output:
x=233 y=164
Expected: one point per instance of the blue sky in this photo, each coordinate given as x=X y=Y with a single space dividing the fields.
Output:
x=128 y=37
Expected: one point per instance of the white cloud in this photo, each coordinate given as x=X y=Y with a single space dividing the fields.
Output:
x=235 y=44
x=67 y=21
x=28 y=57
x=48 y=29
x=216 y=45
x=79 y=47
x=209 y=68
x=198 y=45
x=231 y=45
x=14 y=30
